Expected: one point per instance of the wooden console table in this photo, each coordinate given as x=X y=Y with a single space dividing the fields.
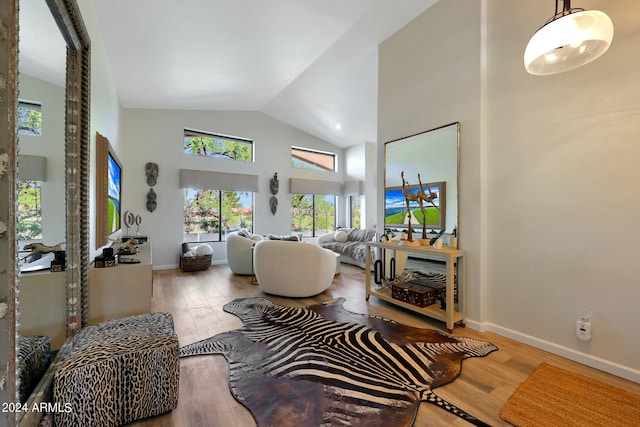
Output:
x=453 y=313
x=123 y=290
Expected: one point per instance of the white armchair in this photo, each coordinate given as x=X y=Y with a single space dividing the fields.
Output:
x=293 y=269
x=239 y=254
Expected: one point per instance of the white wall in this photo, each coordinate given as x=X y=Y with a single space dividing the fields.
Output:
x=562 y=189
x=157 y=136
x=356 y=170
x=548 y=202
x=49 y=144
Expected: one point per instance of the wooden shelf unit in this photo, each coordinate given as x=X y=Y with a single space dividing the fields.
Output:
x=454 y=313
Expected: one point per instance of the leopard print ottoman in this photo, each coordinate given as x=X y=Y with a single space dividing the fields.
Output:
x=118 y=371
x=34 y=356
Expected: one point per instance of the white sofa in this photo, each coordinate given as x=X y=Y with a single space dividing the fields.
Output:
x=293 y=269
x=239 y=253
x=351 y=244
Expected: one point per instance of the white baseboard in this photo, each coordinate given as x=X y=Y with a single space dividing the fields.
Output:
x=571 y=354
x=171 y=266
x=165 y=267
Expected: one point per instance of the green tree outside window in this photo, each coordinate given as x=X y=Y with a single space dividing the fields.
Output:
x=29 y=118
x=203 y=221
x=217 y=146
x=29 y=210
x=312 y=215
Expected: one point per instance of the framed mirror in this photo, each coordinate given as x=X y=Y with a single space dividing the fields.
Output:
x=67 y=17
x=41 y=174
x=428 y=165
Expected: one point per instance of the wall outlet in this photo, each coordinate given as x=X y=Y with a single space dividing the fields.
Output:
x=583 y=327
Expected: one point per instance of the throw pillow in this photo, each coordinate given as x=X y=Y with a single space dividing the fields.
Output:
x=340 y=236
x=244 y=233
x=290 y=238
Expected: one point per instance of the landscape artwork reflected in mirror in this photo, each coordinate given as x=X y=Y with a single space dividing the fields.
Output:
x=114 y=191
x=395 y=207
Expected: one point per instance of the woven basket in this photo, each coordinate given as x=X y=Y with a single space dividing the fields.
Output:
x=195 y=263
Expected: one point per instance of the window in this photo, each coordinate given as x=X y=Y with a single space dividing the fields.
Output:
x=313 y=215
x=29 y=210
x=29 y=118
x=203 y=221
x=311 y=159
x=354 y=210
x=217 y=146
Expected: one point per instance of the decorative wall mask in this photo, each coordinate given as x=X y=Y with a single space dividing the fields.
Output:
x=152 y=202
x=273 y=203
x=152 y=170
x=274 y=184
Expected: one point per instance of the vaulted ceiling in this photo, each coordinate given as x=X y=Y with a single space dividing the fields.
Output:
x=312 y=64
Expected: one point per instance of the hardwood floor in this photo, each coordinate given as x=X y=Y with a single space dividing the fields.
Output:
x=196 y=299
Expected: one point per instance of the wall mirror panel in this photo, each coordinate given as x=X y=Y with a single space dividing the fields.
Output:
x=41 y=188
x=430 y=157
x=72 y=168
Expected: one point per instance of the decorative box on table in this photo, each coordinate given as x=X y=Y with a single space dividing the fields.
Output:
x=437 y=281
x=414 y=294
x=422 y=289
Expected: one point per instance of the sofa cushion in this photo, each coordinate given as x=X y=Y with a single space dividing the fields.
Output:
x=244 y=233
x=355 y=250
x=340 y=236
x=290 y=238
x=361 y=235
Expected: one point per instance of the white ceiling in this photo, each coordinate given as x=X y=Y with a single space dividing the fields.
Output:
x=309 y=63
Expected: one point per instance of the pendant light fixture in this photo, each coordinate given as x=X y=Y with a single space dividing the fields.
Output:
x=570 y=39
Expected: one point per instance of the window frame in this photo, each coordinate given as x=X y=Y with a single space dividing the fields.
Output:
x=214 y=135
x=351 y=210
x=31 y=106
x=334 y=158
x=221 y=231
x=313 y=213
x=36 y=185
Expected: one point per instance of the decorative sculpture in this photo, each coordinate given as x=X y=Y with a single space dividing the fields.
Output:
x=409 y=197
x=37 y=248
x=151 y=169
x=423 y=197
x=274 y=184
x=273 y=204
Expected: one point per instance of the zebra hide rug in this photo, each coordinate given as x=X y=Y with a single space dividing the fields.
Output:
x=323 y=366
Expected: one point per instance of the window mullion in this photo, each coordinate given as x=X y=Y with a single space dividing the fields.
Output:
x=220 y=215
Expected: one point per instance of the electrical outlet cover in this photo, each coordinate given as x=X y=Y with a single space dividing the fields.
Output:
x=583 y=330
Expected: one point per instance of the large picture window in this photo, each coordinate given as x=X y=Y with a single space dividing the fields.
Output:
x=217 y=146
x=305 y=158
x=210 y=214
x=313 y=215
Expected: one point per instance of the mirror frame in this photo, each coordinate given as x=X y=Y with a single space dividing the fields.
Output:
x=77 y=105
x=386 y=144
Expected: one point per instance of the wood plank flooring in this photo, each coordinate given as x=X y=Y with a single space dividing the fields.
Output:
x=196 y=299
